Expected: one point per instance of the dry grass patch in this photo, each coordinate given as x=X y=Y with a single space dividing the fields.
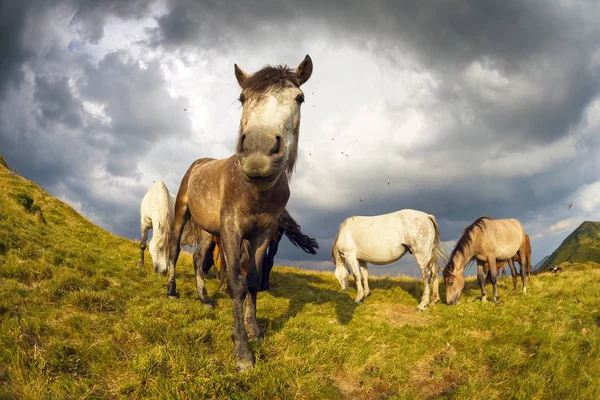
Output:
x=398 y=315
x=436 y=374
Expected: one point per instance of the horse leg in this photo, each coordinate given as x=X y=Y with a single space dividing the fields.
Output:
x=202 y=261
x=523 y=265
x=365 y=276
x=513 y=273
x=353 y=262
x=268 y=264
x=237 y=289
x=145 y=228
x=256 y=254
x=217 y=258
x=182 y=215
x=222 y=269
x=493 y=273
x=435 y=283
x=427 y=275
x=481 y=276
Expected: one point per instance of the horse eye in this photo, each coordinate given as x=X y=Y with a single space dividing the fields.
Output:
x=300 y=98
x=451 y=283
x=242 y=98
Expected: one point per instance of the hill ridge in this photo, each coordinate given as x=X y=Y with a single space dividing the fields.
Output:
x=582 y=245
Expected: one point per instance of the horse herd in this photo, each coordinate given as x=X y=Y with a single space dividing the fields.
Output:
x=233 y=211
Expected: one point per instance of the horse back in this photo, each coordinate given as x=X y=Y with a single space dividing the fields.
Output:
x=503 y=237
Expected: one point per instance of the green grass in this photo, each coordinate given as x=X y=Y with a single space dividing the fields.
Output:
x=582 y=245
x=78 y=319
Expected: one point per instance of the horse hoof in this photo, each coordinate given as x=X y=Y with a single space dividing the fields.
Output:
x=419 y=308
x=496 y=299
x=524 y=290
x=484 y=299
x=358 y=301
x=208 y=306
x=173 y=296
x=245 y=366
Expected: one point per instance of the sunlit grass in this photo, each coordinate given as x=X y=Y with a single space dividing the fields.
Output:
x=78 y=319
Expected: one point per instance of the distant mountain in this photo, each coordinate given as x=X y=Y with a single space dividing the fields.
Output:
x=539 y=264
x=582 y=245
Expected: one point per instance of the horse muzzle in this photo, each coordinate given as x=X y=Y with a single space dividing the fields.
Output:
x=453 y=300
x=260 y=170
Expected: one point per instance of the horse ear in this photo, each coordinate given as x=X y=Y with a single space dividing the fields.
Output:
x=240 y=75
x=304 y=70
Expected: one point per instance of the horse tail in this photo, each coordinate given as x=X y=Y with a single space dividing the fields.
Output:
x=288 y=226
x=335 y=253
x=165 y=222
x=438 y=253
x=191 y=232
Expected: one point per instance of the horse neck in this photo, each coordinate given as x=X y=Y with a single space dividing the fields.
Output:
x=461 y=259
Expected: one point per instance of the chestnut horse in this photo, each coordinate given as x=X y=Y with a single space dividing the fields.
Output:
x=488 y=241
x=242 y=197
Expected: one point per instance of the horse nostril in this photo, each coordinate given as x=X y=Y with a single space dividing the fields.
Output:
x=242 y=145
x=275 y=148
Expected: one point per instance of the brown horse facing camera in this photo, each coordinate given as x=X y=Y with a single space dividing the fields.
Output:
x=242 y=197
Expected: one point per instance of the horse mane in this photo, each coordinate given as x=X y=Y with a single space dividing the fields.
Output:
x=270 y=77
x=466 y=239
x=287 y=225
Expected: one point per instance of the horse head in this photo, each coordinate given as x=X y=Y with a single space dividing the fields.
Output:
x=271 y=100
x=455 y=282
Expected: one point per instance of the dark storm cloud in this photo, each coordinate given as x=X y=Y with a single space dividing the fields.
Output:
x=92 y=15
x=547 y=44
x=12 y=52
x=18 y=17
x=510 y=77
x=139 y=107
x=48 y=134
x=57 y=103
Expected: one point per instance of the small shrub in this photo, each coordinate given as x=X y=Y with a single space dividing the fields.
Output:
x=27 y=202
x=24 y=200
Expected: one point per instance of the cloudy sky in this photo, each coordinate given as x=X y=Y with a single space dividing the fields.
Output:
x=459 y=109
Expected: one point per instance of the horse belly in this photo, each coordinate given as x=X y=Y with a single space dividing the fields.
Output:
x=204 y=199
x=379 y=252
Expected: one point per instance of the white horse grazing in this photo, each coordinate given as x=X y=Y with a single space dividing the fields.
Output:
x=156 y=212
x=383 y=239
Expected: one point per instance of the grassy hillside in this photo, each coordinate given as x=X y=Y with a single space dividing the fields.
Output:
x=582 y=245
x=79 y=320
